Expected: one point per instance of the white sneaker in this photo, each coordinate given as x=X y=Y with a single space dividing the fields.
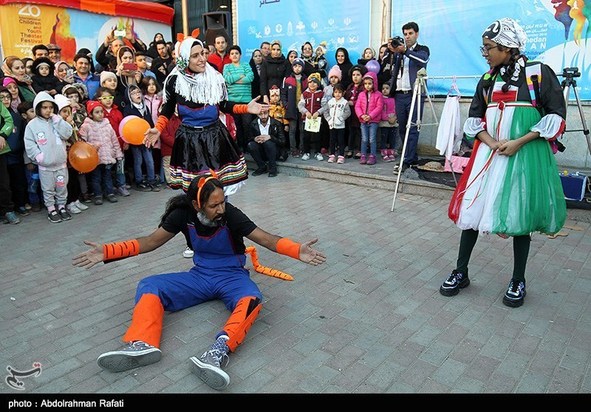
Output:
x=80 y=205
x=188 y=253
x=72 y=208
x=319 y=157
x=306 y=156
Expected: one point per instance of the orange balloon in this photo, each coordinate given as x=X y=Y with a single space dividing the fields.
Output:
x=83 y=157
x=133 y=130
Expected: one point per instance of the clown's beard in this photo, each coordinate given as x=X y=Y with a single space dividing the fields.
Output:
x=205 y=221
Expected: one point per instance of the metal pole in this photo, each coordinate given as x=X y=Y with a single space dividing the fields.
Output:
x=185 y=17
x=415 y=92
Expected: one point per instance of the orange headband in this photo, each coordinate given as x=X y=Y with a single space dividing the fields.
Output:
x=202 y=181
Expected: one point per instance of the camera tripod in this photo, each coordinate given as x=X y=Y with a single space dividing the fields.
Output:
x=569 y=74
x=419 y=86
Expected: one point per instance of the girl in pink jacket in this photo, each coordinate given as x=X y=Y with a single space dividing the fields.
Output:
x=369 y=111
x=97 y=131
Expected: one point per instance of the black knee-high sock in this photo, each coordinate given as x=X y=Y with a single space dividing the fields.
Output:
x=467 y=242
x=520 y=254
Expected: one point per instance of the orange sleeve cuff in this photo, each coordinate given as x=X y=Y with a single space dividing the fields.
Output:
x=240 y=109
x=121 y=250
x=161 y=123
x=288 y=247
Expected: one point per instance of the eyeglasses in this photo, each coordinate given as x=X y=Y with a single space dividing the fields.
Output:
x=486 y=49
x=5 y=97
x=106 y=98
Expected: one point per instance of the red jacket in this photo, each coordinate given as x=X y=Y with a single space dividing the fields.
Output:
x=115 y=117
x=168 y=135
x=218 y=62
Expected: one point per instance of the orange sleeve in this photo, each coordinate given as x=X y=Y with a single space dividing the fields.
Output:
x=288 y=247
x=240 y=109
x=121 y=250
x=161 y=123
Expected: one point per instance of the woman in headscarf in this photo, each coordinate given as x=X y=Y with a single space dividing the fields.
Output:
x=202 y=142
x=341 y=56
x=510 y=186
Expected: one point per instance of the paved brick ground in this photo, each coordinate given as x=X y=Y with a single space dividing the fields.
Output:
x=371 y=320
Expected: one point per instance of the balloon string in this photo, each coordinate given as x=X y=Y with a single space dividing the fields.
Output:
x=251 y=250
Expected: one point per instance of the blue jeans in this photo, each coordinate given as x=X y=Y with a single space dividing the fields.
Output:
x=100 y=178
x=142 y=154
x=369 y=133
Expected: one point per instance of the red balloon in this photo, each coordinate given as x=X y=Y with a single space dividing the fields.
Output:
x=83 y=157
x=133 y=130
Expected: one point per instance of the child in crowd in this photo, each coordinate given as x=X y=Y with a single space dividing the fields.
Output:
x=97 y=131
x=337 y=112
x=277 y=112
x=310 y=106
x=106 y=98
x=291 y=93
x=75 y=95
x=141 y=153
x=109 y=80
x=368 y=108
x=153 y=100
x=388 y=126
x=45 y=143
x=14 y=159
x=356 y=73
x=334 y=77
x=73 y=204
x=27 y=112
x=43 y=78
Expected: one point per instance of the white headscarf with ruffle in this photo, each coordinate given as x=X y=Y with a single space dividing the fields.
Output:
x=208 y=87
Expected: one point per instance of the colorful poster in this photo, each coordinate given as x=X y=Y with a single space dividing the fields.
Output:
x=295 y=22
x=24 y=25
x=559 y=34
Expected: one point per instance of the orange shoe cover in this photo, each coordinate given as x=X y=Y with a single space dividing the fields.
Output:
x=245 y=313
x=146 y=321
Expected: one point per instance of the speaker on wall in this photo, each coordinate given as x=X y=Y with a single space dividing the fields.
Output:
x=217 y=24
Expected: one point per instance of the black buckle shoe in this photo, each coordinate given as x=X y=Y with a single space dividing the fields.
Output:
x=454 y=283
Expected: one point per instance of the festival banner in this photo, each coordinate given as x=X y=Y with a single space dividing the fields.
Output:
x=295 y=22
x=558 y=34
x=23 y=25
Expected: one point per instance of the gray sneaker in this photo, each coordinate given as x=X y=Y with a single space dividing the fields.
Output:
x=133 y=355
x=209 y=366
x=122 y=191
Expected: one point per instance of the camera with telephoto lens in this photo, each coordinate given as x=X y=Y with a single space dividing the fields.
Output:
x=396 y=41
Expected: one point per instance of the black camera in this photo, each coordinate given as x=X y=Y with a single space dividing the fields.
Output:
x=396 y=41
x=571 y=72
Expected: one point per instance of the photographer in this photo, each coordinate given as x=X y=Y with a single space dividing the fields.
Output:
x=106 y=55
x=408 y=58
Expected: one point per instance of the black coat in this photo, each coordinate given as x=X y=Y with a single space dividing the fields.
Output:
x=273 y=71
x=275 y=131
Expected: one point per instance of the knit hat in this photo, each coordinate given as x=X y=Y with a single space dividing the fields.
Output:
x=315 y=77
x=274 y=90
x=61 y=101
x=335 y=71
x=105 y=74
x=299 y=61
x=43 y=61
x=91 y=105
